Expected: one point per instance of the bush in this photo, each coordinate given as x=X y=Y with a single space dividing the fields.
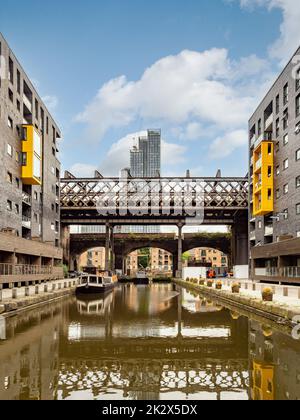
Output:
x=267 y=294
x=210 y=283
x=235 y=288
x=66 y=270
x=219 y=285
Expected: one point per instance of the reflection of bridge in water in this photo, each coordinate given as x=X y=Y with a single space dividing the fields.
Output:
x=101 y=352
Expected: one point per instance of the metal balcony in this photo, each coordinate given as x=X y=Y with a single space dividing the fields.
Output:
x=269 y=122
x=26 y=198
x=26 y=222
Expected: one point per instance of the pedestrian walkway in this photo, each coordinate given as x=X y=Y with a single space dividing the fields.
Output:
x=288 y=295
x=39 y=289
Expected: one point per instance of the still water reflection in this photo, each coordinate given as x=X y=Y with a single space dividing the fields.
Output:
x=144 y=342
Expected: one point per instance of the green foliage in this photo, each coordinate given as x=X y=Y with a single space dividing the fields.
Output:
x=186 y=256
x=143 y=261
x=66 y=270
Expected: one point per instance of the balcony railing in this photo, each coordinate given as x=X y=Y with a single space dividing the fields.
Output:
x=26 y=222
x=26 y=270
x=258 y=164
x=284 y=272
x=291 y=272
x=26 y=198
x=269 y=121
x=269 y=230
x=272 y=272
x=27 y=103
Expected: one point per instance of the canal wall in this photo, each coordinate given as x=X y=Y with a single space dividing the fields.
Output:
x=282 y=314
x=25 y=298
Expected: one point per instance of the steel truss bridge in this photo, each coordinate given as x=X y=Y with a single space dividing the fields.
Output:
x=121 y=201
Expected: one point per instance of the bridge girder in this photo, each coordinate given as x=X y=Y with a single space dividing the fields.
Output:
x=153 y=200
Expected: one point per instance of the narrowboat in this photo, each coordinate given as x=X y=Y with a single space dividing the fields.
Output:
x=91 y=284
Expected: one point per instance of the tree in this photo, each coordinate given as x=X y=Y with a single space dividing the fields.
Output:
x=186 y=256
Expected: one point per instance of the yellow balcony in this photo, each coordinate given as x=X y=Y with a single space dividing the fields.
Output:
x=263 y=382
x=263 y=179
x=31 y=156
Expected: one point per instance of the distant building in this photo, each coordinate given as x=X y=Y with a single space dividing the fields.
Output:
x=145 y=162
x=145 y=158
x=94 y=258
x=208 y=257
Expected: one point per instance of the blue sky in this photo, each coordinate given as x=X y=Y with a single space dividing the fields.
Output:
x=112 y=68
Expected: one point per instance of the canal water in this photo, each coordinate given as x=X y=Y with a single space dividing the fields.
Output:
x=145 y=343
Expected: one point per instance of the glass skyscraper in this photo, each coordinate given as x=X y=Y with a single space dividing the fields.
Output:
x=145 y=162
x=145 y=159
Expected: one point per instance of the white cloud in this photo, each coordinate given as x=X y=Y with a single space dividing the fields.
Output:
x=225 y=145
x=289 y=39
x=187 y=90
x=50 y=101
x=118 y=156
x=82 y=170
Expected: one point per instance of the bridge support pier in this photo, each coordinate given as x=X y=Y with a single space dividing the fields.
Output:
x=240 y=247
x=65 y=243
x=109 y=248
x=179 y=253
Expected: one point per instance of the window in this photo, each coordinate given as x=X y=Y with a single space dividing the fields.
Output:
x=18 y=182
x=269 y=194
x=278 y=170
x=10 y=95
x=11 y=71
x=9 y=205
x=285 y=164
x=10 y=123
x=53 y=170
x=298 y=79
x=286 y=189
x=9 y=177
x=9 y=150
x=298 y=209
x=259 y=127
x=298 y=106
x=36 y=109
x=277 y=104
x=18 y=82
x=298 y=155
x=18 y=105
x=286 y=94
x=259 y=224
x=52 y=226
x=35 y=196
x=285 y=139
x=17 y=208
x=285 y=121
x=277 y=193
x=277 y=127
x=35 y=217
x=285 y=214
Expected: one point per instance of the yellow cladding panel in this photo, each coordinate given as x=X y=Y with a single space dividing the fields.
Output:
x=263 y=179
x=31 y=156
x=263 y=382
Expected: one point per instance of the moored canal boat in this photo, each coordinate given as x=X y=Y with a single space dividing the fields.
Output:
x=91 y=284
